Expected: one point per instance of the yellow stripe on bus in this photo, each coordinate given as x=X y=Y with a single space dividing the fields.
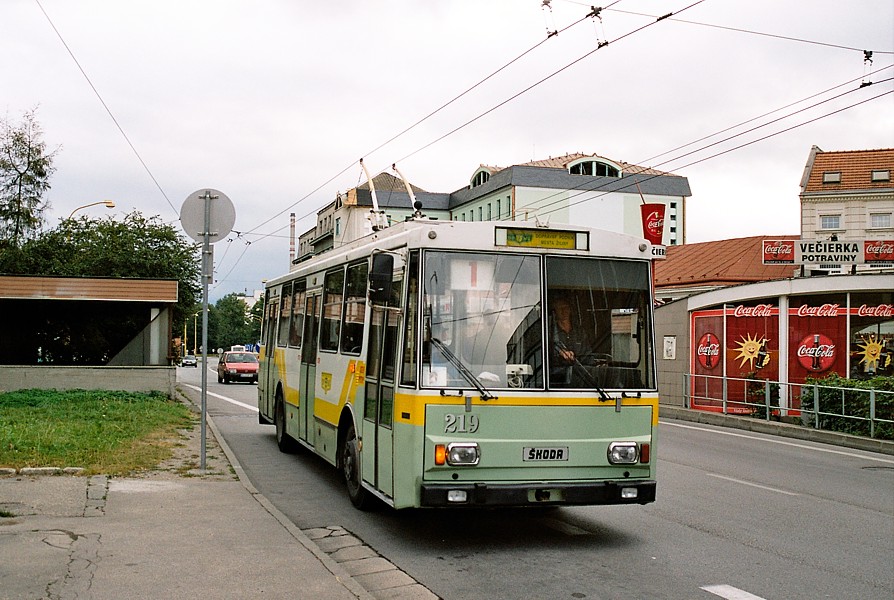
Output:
x=410 y=408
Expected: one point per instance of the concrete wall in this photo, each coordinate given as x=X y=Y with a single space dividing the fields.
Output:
x=129 y=379
x=672 y=329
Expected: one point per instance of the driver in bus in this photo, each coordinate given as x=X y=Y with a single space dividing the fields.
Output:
x=568 y=337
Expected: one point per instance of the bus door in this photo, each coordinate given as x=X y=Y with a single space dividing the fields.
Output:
x=307 y=389
x=267 y=375
x=377 y=429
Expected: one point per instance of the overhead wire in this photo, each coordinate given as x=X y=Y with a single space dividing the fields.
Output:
x=600 y=46
x=425 y=118
x=106 y=107
x=562 y=197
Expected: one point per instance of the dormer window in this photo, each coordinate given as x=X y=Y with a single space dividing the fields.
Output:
x=881 y=175
x=480 y=178
x=832 y=177
x=595 y=168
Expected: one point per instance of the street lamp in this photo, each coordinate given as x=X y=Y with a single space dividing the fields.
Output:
x=107 y=203
x=195 y=333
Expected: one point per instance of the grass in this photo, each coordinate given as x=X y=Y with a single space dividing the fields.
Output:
x=113 y=433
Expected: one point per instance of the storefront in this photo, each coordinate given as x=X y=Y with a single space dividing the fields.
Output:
x=784 y=332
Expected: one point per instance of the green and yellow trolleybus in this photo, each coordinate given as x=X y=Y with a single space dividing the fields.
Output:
x=446 y=363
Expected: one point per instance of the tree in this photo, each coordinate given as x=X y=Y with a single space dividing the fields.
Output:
x=228 y=323
x=25 y=170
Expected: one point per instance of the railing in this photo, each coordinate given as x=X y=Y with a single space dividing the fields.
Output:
x=865 y=412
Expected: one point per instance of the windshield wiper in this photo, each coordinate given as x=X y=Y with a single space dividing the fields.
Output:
x=586 y=375
x=454 y=360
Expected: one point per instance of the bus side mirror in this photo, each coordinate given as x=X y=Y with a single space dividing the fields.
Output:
x=380 y=278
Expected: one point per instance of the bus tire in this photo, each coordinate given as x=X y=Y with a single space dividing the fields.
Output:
x=284 y=441
x=350 y=464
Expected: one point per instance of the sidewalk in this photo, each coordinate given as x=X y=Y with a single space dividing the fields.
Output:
x=165 y=535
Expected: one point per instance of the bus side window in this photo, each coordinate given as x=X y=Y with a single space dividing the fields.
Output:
x=410 y=350
x=333 y=293
x=285 y=315
x=355 y=309
x=297 y=326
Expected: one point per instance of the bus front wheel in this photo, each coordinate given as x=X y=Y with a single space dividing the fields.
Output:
x=350 y=464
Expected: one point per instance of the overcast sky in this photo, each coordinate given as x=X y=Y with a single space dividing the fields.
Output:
x=273 y=102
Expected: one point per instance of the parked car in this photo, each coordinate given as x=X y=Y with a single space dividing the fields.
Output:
x=189 y=361
x=237 y=366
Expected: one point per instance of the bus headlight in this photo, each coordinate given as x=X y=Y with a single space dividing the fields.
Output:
x=623 y=453
x=461 y=454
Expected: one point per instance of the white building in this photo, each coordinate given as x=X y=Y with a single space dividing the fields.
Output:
x=582 y=189
x=847 y=196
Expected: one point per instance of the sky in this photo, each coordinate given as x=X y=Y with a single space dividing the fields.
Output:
x=273 y=102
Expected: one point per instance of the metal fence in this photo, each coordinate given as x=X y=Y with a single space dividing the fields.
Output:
x=865 y=412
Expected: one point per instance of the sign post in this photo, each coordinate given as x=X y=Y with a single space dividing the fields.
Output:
x=207 y=216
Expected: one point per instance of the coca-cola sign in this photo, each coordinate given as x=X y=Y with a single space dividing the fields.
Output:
x=779 y=252
x=882 y=310
x=708 y=351
x=816 y=352
x=759 y=310
x=825 y=310
x=878 y=251
x=653 y=222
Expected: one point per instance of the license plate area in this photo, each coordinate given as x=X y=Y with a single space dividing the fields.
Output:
x=545 y=453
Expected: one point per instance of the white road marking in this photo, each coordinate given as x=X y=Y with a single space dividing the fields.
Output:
x=224 y=398
x=729 y=592
x=763 y=487
x=784 y=443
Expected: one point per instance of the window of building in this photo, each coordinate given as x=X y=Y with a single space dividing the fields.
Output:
x=594 y=167
x=489 y=214
x=499 y=211
x=338 y=226
x=879 y=220
x=480 y=178
x=830 y=221
x=480 y=213
x=832 y=177
x=673 y=205
x=881 y=175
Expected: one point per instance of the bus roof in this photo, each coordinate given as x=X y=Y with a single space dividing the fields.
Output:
x=474 y=236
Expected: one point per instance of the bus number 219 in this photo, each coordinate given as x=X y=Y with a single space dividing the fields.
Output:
x=460 y=423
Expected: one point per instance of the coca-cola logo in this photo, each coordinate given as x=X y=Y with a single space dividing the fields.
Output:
x=779 y=251
x=708 y=351
x=882 y=310
x=760 y=310
x=816 y=352
x=653 y=222
x=826 y=310
x=878 y=250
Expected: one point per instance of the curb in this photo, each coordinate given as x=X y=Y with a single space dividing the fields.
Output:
x=331 y=565
x=776 y=428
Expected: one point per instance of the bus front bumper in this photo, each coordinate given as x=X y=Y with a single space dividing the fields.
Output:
x=539 y=494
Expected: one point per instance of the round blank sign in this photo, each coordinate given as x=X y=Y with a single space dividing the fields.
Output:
x=222 y=215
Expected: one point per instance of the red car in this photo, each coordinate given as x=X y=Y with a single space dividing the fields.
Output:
x=237 y=366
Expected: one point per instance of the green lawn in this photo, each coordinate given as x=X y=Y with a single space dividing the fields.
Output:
x=113 y=433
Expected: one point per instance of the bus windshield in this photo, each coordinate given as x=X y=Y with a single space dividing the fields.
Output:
x=506 y=321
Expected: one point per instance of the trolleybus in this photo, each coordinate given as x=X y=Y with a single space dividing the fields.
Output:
x=425 y=362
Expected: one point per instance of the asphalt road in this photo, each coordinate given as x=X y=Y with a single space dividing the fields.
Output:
x=739 y=515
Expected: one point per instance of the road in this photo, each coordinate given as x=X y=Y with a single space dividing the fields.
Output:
x=739 y=515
